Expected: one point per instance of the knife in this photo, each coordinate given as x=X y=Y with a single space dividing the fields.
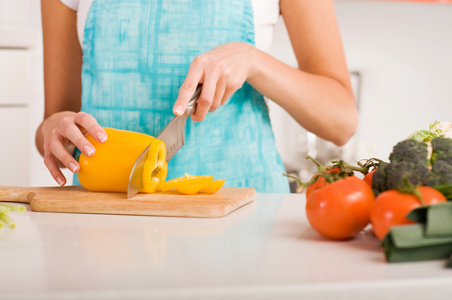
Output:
x=173 y=135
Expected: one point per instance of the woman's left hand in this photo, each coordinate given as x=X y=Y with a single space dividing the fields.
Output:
x=222 y=71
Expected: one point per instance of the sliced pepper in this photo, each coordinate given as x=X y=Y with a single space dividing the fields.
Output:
x=213 y=186
x=190 y=184
x=108 y=170
x=191 y=189
x=186 y=180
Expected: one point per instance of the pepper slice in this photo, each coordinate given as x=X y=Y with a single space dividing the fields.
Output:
x=190 y=189
x=108 y=170
x=186 y=180
x=213 y=186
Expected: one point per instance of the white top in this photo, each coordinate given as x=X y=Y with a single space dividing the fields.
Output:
x=264 y=250
x=266 y=13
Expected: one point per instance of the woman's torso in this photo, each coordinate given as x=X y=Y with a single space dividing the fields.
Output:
x=266 y=13
x=133 y=66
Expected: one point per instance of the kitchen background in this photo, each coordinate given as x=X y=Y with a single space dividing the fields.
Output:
x=399 y=54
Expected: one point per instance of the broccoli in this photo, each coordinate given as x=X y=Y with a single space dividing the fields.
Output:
x=379 y=179
x=409 y=162
x=441 y=150
x=393 y=175
x=410 y=151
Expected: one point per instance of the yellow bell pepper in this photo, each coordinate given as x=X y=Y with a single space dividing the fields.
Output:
x=108 y=170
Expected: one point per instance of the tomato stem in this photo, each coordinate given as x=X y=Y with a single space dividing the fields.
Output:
x=301 y=184
x=348 y=167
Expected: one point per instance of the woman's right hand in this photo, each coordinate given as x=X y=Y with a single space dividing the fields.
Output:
x=61 y=133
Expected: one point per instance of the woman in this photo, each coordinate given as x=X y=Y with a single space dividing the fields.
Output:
x=142 y=61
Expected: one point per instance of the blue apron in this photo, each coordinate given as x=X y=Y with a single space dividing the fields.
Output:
x=136 y=54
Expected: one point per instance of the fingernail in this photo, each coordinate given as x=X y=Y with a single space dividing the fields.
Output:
x=60 y=180
x=88 y=150
x=73 y=167
x=179 y=110
x=101 y=137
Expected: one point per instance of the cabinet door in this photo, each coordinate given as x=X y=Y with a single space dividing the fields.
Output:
x=14 y=77
x=14 y=146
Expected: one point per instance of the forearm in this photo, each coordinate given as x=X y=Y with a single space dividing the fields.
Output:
x=320 y=104
x=62 y=63
x=39 y=140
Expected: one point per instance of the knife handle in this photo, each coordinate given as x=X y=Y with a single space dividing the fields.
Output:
x=192 y=104
x=15 y=194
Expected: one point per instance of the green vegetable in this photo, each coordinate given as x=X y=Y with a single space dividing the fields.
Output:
x=410 y=151
x=410 y=161
x=6 y=219
x=441 y=149
x=427 y=135
x=430 y=238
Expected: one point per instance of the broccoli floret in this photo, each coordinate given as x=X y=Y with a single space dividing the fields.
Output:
x=395 y=175
x=379 y=179
x=410 y=151
x=441 y=150
x=401 y=171
x=441 y=173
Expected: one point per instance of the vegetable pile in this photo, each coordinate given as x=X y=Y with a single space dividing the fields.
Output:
x=402 y=198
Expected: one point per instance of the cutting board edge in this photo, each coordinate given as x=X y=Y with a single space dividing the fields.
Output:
x=196 y=211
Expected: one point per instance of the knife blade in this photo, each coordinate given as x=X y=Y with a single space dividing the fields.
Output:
x=173 y=135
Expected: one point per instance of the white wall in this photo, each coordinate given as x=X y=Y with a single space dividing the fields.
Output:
x=403 y=50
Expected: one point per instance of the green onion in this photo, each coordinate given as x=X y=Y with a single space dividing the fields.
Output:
x=6 y=208
x=12 y=207
x=7 y=220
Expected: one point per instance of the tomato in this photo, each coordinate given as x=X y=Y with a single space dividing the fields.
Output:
x=391 y=208
x=340 y=209
x=368 y=177
x=319 y=183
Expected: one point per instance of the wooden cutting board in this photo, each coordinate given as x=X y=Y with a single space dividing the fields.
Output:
x=76 y=199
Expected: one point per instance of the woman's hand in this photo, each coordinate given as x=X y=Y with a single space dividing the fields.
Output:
x=61 y=133
x=222 y=71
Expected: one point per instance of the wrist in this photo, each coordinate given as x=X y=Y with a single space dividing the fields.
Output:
x=253 y=58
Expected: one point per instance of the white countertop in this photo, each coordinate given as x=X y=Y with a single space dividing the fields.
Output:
x=265 y=250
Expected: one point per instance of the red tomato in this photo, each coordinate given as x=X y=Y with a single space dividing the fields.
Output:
x=391 y=208
x=319 y=183
x=340 y=209
x=368 y=178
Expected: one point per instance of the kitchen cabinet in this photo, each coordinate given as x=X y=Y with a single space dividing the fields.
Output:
x=15 y=93
x=264 y=250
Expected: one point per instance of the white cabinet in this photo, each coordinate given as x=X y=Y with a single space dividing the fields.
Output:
x=14 y=117
x=14 y=77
